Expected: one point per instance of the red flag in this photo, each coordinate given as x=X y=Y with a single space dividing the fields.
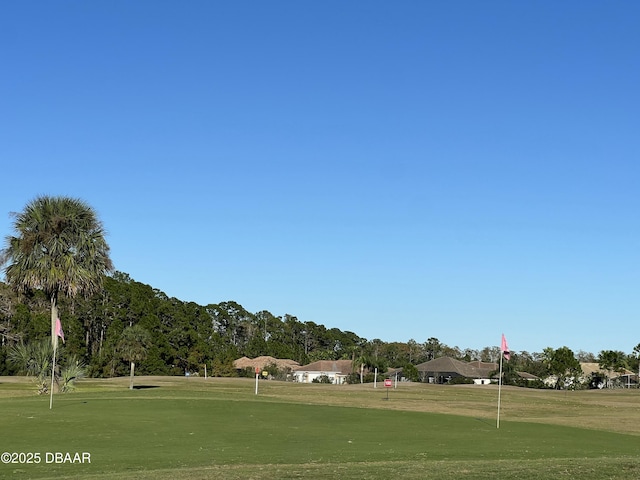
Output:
x=59 y=331
x=504 y=348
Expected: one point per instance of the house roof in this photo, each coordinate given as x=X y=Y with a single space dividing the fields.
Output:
x=263 y=361
x=343 y=367
x=484 y=365
x=591 y=367
x=527 y=376
x=451 y=365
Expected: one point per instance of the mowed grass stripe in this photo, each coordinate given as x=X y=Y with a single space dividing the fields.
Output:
x=584 y=469
x=163 y=431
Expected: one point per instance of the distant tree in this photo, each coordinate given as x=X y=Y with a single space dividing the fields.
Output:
x=414 y=351
x=223 y=367
x=612 y=361
x=361 y=365
x=490 y=354
x=410 y=372
x=133 y=345
x=392 y=352
x=320 y=355
x=8 y=303
x=59 y=248
x=375 y=349
x=585 y=357
x=470 y=354
x=453 y=352
x=509 y=373
x=531 y=363
x=432 y=348
x=562 y=364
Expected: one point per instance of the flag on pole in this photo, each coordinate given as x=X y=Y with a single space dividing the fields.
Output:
x=504 y=348
x=504 y=352
x=59 y=331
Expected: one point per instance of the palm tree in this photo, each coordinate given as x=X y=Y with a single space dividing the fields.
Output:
x=612 y=361
x=133 y=346
x=59 y=248
x=34 y=360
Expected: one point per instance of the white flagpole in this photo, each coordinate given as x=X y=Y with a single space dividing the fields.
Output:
x=256 y=381
x=499 y=390
x=53 y=371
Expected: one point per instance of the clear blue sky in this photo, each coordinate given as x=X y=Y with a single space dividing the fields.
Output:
x=397 y=169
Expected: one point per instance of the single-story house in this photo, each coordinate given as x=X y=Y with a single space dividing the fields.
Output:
x=336 y=370
x=592 y=371
x=443 y=369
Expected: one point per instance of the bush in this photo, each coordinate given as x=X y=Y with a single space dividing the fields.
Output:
x=75 y=370
x=410 y=372
x=460 y=381
x=535 y=384
x=353 y=378
x=224 y=368
x=322 y=379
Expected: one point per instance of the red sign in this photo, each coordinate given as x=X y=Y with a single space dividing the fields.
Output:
x=257 y=370
x=387 y=382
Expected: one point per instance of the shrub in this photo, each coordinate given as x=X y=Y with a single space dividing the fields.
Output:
x=460 y=381
x=410 y=372
x=322 y=379
x=353 y=378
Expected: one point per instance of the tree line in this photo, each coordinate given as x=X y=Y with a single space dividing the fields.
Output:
x=57 y=265
x=184 y=336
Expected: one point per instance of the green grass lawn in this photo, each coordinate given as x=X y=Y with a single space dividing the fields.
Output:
x=180 y=428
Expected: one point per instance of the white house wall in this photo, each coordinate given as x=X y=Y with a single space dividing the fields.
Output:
x=481 y=381
x=309 y=377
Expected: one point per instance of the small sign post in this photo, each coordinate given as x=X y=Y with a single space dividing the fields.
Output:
x=387 y=386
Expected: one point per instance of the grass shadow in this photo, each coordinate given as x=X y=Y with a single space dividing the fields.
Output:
x=68 y=404
x=486 y=422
